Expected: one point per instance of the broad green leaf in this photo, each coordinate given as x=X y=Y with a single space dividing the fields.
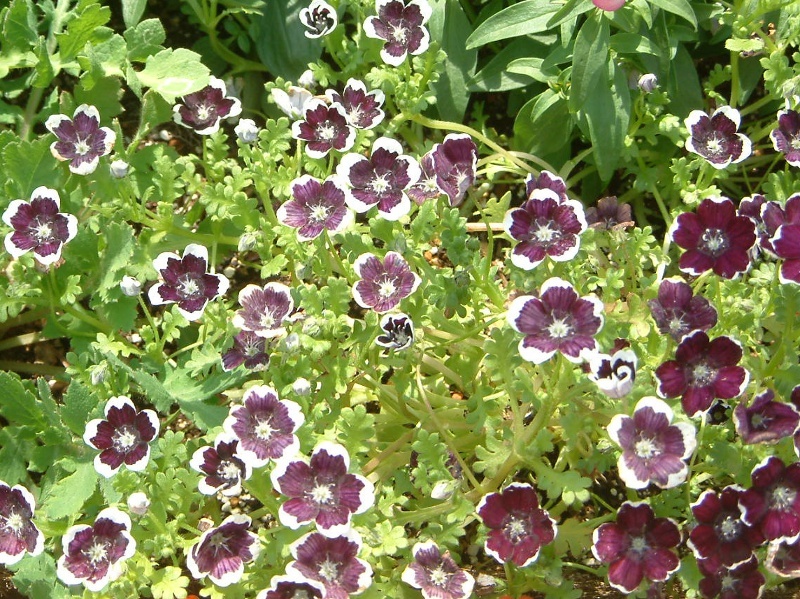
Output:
x=145 y=39
x=155 y=110
x=19 y=26
x=36 y=577
x=13 y=468
x=589 y=59
x=280 y=41
x=682 y=8
x=174 y=73
x=67 y=496
x=608 y=115
x=495 y=75
x=523 y=18
x=81 y=29
x=544 y=124
x=106 y=59
x=132 y=11
x=161 y=399
x=451 y=27
x=633 y=43
x=683 y=84
x=105 y=96
x=532 y=67
x=573 y=536
x=45 y=72
x=570 y=11
x=120 y=243
x=79 y=403
x=17 y=404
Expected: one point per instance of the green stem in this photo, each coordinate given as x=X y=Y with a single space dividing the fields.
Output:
x=43 y=369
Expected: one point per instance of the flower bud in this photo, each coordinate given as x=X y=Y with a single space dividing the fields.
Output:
x=248 y=241
x=130 y=286
x=609 y=5
x=98 y=373
x=119 y=168
x=648 y=82
x=246 y=130
x=291 y=343
x=138 y=503
x=302 y=386
x=307 y=79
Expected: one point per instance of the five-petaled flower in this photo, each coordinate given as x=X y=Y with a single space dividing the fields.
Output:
x=362 y=109
x=287 y=587
x=221 y=552
x=324 y=128
x=783 y=558
x=772 y=503
x=316 y=206
x=613 y=374
x=264 y=309
x=426 y=187
x=743 y=581
x=319 y=19
x=518 y=527
x=203 y=110
x=383 y=283
x=772 y=216
x=248 y=349
x=398 y=332
x=81 y=139
x=123 y=437
x=437 y=575
x=18 y=534
x=400 y=23
x=223 y=466
x=609 y=214
x=766 y=420
x=677 y=312
x=455 y=162
x=786 y=138
x=716 y=137
x=786 y=245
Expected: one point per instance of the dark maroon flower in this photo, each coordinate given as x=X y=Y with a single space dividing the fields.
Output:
x=286 y=587
x=264 y=309
x=715 y=137
x=743 y=581
x=609 y=214
x=383 y=283
x=39 y=226
x=203 y=110
x=545 y=226
x=264 y=425
x=766 y=420
x=321 y=490
x=81 y=139
x=703 y=370
x=557 y=320
x=637 y=546
x=223 y=466
x=362 y=109
x=783 y=558
x=18 y=534
x=400 y=23
x=123 y=437
x=714 y=238
x=93 y=555
x=426 y=187
x=786 y=138
x=323 y=128
x=752 y=207
x=772 y=503
x=184 y=281
x=398 y=332
x=316 y=206
x=786 y=244
x=677 y=312
x=653 y=449
x=455 y=162
x=248 y=349
x=221 y=552
x=437 y=575
x=613 y=374
x=332 y=562
x=546 y=180
x=773 y=215
x=518 y=527
x=319 y=19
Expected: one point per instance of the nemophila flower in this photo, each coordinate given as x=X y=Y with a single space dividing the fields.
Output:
x=123 y=437
x=39 y=226
x=455 y=160
x=546 y=180
x=286 y=587
x=221 y=552
x=331 y=562
x=315 y=206
x=185 y=282
x=321 y=490
x=93 y=555
x=380 y=180
x=613 y=374
x=398 y=332
x=323 y=128
x=246 y=130
x=437 y=575
x=264 y=309
x=703 y=370
x=361 y=108
x=293 y=102
x=773 y=215
x=786 y=244
x=81 y=139
x=715 y=137
x=743 y=581
x=223 y=466
x=383 y=282
x=715 y=238
x=783 y=558
x=772 y=503
x=203 y=110
x=654 y=450
x=426 y=187
x=400 y=24
x=319 y=19
x=609 y=5
x=766 y=420
x=609 y=214
x=544 y=226
x=18 y=534
x=637 y=546
x=264 y=425
x=752 y=207
x=518 y=527
x=558 y=320
x=677 y=312
x=248 y=349
x=786 y=138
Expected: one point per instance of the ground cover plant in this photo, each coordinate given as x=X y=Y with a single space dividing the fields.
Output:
x=399 y=298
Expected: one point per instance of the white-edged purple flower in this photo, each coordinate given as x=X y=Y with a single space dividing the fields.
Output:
x=613 y=374
x=321 y=490
x=123 y=437
x=609 y=215
x=558 y=320
x=772 y=503
x=81 y=139
x=203 y=110
x=518 y=526
x=766 y=420
x=677 y=312
x=93 y=555
x=383 y=282
x=248 y=349
x=637 y=546
x=18 y=534
x=743 y=581
x=426 y=187
x=319 y=19
x=288 y=587
x=380 y=180
x=361 y=108
x=331 y=562
x=221 y=552
x=264 y=425
x=400 y=24
x=783 y=558
x=323 y=128
x=223 y=467
x=786 y=138
x=39 y=226
x=654 y=450
x=264 y=309
x=455 y=161
x=546 y=180
x=786 y=245
x=437 y=575
x=716 y=137
x=772 y=216
x=316 y=206
x=292 y=103
x=398 y=331
x=185 y=282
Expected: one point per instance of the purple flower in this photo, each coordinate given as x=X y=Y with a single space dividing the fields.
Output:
x=321 y=490
x=398 y=332
x=714 y=238
x=264 y=309
x=783 y=558
x=766 y=420
x=613 y=374
x=362 y=109
x=518 y=527
x=319 y=19
x=715 y=138
x=18 y=533
x=557 y=320
x=93 y=555
x=544 y=226
x=437 y=575
x=743 y=581
x=223 y=466
x=546 y=180
x=637 y=546
x=400 y=24
x=455 y=161
x=332 y=562
x=786 y=244
x=380 y=180
x=248 y=349
x=123 y=437
x=772 y=503
x=786 y=138
x=316 y=207
x=81 y=139
x=426 y=187
x=221 y=552
x=39 y=226
x=286 y=587
x=323 y=128
x=264 y=425
x=609 y=214
x=773 y=215
x=184 y=281
x=203 y=110
x=383 y=283
x=677 y=312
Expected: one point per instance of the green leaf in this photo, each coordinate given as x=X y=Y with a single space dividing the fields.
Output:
x=29 y=164
x=523 y=18
x=106 y=59
x=12 y=456
x=451 y=27
x=155 y=110
x=105 y=96
x=544 y=124
x=570 y=11
x=17 y=404
x=67 y=496
x=682 y=8
x=81 y=29
x=120 y=244
x=608 y=115
x=573 y=536
x=280 y=41
x=569 y=485
x=532 y=67
x=79 y=403
x=150 y=385
x=145 y=39
x=44 y=65
x=589 y=60
x=491 y=455
x=495 y=75
x=19 y=27
x=36 y=577
x=356 y=429
x=167 y=583
x=174 y=73
x=132 y=11
x=633 y=43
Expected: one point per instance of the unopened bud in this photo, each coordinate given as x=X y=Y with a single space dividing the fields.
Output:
x=138 y=503
x=248 y=241
x=246 y=130
x=301 y=386
x=648 y=82
x=98 y=374
x=130 y=286
x=307 y=79
x=119 y=168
